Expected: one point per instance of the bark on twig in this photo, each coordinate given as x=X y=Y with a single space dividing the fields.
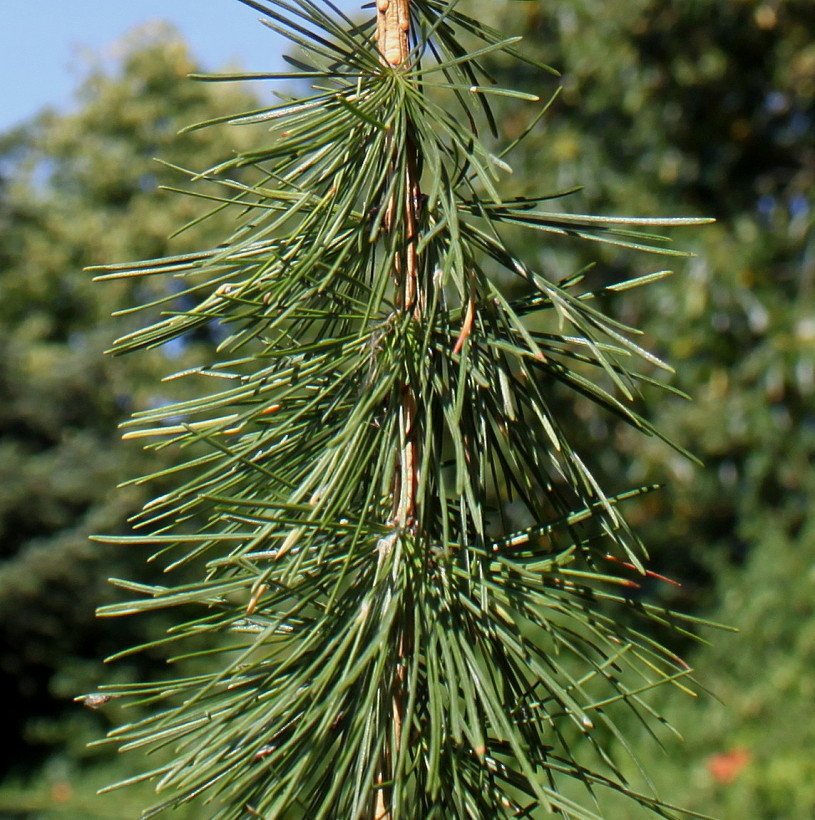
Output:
x=392 y=28
x=392 y=38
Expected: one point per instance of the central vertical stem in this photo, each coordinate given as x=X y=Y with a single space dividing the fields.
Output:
x=392 y=28
x=392 y=38
x=409 y=298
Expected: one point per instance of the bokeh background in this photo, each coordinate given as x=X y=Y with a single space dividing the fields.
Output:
x=668 y=107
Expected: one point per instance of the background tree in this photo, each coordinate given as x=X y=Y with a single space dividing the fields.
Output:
x=78 y=189
x=688 y=107
x=709 y=106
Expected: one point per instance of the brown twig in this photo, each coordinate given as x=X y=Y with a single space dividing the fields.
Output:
x=392 y=38
x=392 y=28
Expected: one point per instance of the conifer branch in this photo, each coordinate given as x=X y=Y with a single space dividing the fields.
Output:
x=394 y=647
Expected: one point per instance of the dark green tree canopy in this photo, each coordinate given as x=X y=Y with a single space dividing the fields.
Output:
x=703 y=106
x=78 y=189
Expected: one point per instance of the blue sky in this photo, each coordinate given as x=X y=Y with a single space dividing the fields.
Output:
x=42 y=43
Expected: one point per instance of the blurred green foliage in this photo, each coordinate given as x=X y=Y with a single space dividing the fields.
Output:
x=668 y=106
x=750 y=751
x=699 y=107
x=708 y=107
x=75 y=190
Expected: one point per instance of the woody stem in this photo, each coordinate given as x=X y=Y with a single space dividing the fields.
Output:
x=392 y=30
